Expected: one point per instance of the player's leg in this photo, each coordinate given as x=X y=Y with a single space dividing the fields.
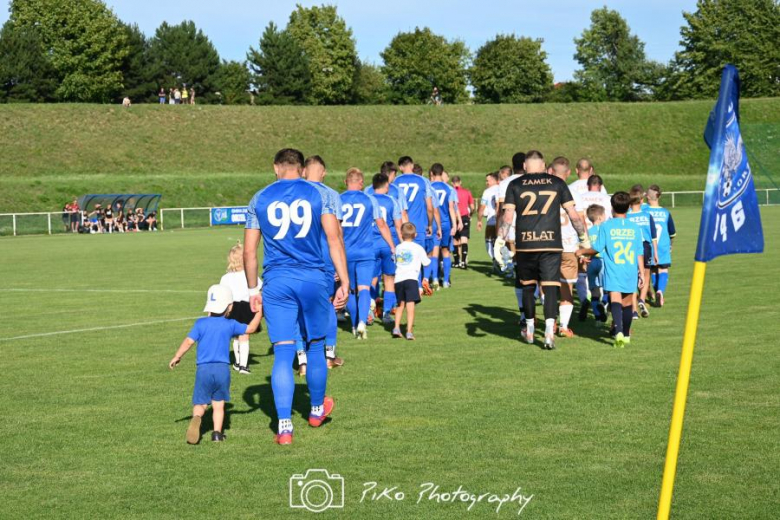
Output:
x=446 y=258
x=331 y=334
x=363 y=273
x=616 y=308
x=236 y=355
x=410 y=320
x=399 y=312
x=243 y=354
x=549 y=269
x=583 y=291
x=627 y=317
x=193 y=429
x=352 y=301
x=218 y=416
x=566 y=306
x=641 y=305
x=389 y=296
x=434 y=265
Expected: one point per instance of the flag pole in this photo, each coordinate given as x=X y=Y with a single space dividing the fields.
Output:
x=681 y=394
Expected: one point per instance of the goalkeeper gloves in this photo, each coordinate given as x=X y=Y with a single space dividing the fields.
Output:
x=584 y=241
x=498 y=245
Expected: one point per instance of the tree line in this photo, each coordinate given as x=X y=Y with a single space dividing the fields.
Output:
x=79 y=51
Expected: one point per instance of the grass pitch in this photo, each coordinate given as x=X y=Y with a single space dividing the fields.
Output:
x=93 y=422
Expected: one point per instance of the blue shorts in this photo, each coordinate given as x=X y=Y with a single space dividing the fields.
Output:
x=212 y=383
x=361 y=272
x=596 y=273
x=291 y=305
x=385 y=262
x=446 y=238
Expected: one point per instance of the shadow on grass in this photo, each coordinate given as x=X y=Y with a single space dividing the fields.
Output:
x=207 y=423
x=486 y=268
x=492 y=321
x=261 y=397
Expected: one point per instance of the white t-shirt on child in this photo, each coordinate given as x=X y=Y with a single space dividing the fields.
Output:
x=236 y=282
x=409 y=259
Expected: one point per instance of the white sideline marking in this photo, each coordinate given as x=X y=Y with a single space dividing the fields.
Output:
x=93 y=329
x=104 y=290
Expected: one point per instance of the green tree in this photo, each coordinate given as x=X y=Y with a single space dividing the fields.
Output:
x=369 y=86
x=182 y=54
x=614 y=66
x=26 y=73
x=745 y=33
x=85 y=41
x=137 y=78
x=280 y=69
x=328 y=44
x=232 y=83
x=417 y=61
x=509 y=69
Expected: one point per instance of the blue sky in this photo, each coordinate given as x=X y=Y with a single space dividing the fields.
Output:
x=234 y=25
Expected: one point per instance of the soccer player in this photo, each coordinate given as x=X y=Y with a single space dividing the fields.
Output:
x=360 y=213
x=385 y=263
x=665 y=232
x=487 y=210
x=291 y=215
x=315 y=171
x=620 y=241
x=419 y=198
x=584 y=172
x=465 y=207
x=538 y=197
x=390 y=169
x=449 y=223
x=639 y=216
x=560 y=168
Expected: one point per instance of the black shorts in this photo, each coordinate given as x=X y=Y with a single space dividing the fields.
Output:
x=648 y=254
x=407 y=291
x=466 y=231
x=538 y=267
x=242 y=313
x=663 y=266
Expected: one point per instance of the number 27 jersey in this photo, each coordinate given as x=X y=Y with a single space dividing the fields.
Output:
x=288 y=214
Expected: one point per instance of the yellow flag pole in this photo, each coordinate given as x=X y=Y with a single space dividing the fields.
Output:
x=681 y=394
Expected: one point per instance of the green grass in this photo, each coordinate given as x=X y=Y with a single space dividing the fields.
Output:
x=211 y=155
x=93 y=422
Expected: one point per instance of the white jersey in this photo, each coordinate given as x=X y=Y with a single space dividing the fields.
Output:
x=503 y=186
x=410 y=257
x=569 y=237
x=589 y=198
x=489 y=199
x=236 y=282
x=580 y=186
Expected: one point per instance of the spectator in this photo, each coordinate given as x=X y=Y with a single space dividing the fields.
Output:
x=96 y=220
x=161 y=95
x=140 y=219
x=171 y=98
x=177 y=95
x=185 y=96
x=109 y=218
x=435 y=97
x=126 y=102
x=74 y=215
x=119 y=221
x=192 y=95
x=151 y=221
x=132 y=223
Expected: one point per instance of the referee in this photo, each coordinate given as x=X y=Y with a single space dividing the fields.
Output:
x=538 y=197
x=462 y=235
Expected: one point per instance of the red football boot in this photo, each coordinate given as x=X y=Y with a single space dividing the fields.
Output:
x=327 y=404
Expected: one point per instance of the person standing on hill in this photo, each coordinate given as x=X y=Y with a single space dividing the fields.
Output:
x=185 y=95
x=192 y=95
x=161 y=95
x=177 y=95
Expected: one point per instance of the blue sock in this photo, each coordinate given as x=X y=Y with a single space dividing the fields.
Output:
x=375 y=291
x=654 y=280
x=663 y=281
x=331 y=332
x=427 y=270
x=389 y=301
x=594 y=303
x=352 y=309
x=435 y=270
x=299 y=345
x=364 y=304
x=447 y=267
x=282 y=380
x=317 y=372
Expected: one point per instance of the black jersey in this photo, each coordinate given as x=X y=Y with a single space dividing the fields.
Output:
x=538 y=199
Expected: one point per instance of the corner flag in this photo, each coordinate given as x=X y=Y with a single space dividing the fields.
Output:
x=730 y=223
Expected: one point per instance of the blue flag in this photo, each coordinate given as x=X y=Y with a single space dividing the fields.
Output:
x=730 y=220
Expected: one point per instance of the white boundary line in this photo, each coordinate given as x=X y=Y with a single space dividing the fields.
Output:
x=94 y=329
x=85 y=290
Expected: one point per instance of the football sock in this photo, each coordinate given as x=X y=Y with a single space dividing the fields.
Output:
x=447 y=267
x=332 y=329
x=549 y=326
x=654 y=280
x=364 y=304
x=529 y=302
x=550 y=301
x=489 y=248
x=435 y=270
x=617 y=315
x=456 y=254
x=317 y=372
x=628 y=314
x=352 y=308
x=663 y=281
x=565 y=311
x=285 y=425
x=594 y=304
x=282 y=380
x=389 y=301
x=236 y=352
x=375 y=291
x=465 y=253
x=519 y=292
x=330 y=351
x=317 y=411
x=427 y=270
x=243 y=352
x=582 y=287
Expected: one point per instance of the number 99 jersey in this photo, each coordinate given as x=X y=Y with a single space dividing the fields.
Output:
x=538 y=199
x=288 y=214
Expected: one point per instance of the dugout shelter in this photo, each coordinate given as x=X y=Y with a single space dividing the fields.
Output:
x=146 y=201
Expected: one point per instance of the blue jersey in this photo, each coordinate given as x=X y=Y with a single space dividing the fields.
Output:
x=394 y=192
x=359 y=213
x=390 y=210
x=620 y=241
x=644 y=220
x=443 y=195
x=416 y=190
x=665 y=231
x=333 y=198
x=288 y=213
x=213 y=335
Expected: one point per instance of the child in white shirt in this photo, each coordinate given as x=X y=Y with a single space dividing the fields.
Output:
x=410 y=258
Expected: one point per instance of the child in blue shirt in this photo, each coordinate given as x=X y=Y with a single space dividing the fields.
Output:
x=597 y=216
x=620 y=242
x=212 y=377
